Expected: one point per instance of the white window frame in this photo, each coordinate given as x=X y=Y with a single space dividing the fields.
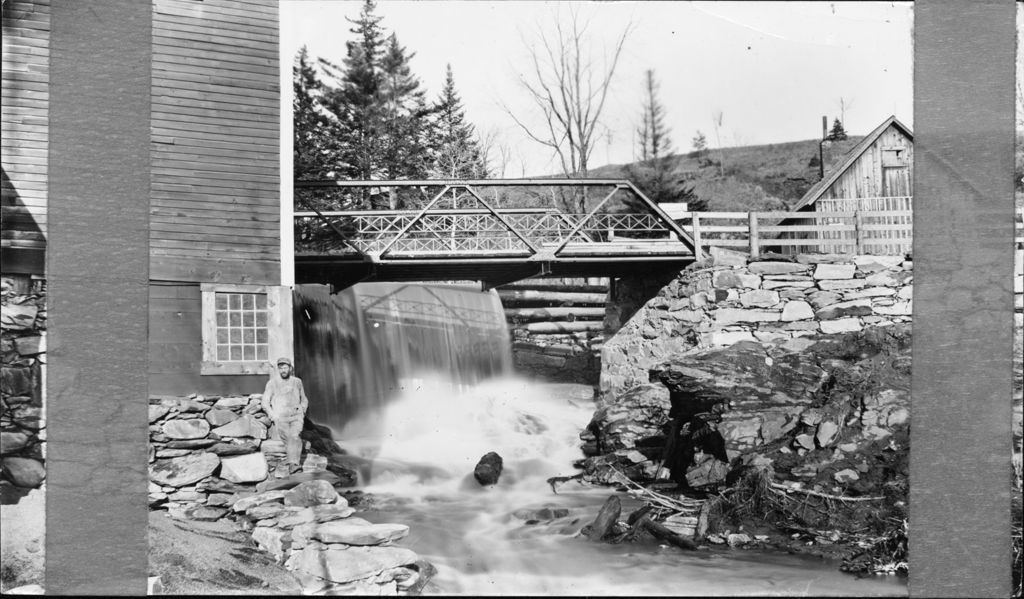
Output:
x=279 y=329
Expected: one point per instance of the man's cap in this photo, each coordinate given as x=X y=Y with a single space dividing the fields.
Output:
x=284 y=361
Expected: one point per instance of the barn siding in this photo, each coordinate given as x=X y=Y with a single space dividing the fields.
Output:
x=24 y=112
x=176 y=346
x=864 y=177
x=215 y=142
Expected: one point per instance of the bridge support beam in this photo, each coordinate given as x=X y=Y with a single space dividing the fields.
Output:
x=536 y=269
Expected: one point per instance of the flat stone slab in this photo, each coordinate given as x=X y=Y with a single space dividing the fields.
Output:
x=244 y=503
x=776 y=268
x=295 y=479
x=244 y=426
x=354 y=533
x=248 y=468
x=231 y=402
x=834 y=271
x=156 y=412
x=220 y=416
x=186 y=470
x=314 y=492
x=191 y=443
x=230 y=449
x=352 y=563
x=195 y=428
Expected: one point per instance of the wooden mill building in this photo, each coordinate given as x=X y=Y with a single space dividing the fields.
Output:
x=875 y=175
x=219 y=298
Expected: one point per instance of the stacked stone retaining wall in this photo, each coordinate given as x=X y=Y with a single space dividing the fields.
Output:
x=22 y=429
x=769 y=300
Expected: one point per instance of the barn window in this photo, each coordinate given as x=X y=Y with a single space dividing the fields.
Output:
x=894 y=157
x=244 y=327
x=241 y=321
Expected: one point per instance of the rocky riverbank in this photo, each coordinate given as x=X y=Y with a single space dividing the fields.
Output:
x=213 y=471
x=801 y=444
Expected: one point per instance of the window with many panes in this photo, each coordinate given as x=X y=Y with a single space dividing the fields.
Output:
x=241 y=325
x=245 y=327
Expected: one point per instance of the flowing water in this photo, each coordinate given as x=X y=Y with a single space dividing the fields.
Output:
x=420 y=434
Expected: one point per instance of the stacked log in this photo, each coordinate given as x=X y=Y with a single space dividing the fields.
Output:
x=557 y=326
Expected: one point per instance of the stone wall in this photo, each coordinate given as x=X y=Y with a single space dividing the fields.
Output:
x=22 y=428
x=214 y=458
x=771 y=301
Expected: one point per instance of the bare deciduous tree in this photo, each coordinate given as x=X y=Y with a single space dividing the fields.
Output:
x=570 y=90
x=844 y=105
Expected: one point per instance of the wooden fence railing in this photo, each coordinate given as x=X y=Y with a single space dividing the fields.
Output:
x=852 y=231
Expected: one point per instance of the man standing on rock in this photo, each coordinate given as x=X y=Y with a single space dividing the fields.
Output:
x=285 y=402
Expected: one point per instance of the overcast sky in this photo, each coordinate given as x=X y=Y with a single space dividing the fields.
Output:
x=772 y=68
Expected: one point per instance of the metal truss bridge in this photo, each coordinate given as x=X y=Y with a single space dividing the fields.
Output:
x=460 y=234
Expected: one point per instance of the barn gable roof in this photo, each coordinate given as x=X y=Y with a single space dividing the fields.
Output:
x=851 y=157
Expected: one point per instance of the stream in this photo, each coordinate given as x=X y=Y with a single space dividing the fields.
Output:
x=419 y=377
x=492 y=541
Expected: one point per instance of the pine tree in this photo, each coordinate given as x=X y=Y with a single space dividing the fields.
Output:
x=653 y=176
x=457 y=152
x=654 y=134
x=355 y=103
x=837 y=133
x=312 y=138
x=404 y=113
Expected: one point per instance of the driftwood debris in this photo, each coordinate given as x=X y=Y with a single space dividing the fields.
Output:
x=778 y=487
x=554 y=481
x=606 y=519
x=664 y=534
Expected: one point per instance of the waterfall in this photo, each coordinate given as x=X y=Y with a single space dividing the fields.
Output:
x=356 y=350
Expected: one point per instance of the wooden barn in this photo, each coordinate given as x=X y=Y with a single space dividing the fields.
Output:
x=876 y=175
x=219 y=299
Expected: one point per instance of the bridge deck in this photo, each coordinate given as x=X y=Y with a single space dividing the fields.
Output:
x=480 y=242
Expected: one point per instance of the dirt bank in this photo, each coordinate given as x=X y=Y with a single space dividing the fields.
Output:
x=212 y=558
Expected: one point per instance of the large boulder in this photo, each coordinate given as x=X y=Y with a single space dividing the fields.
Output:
x=636 y=415
x=488 y=469
x=806 y=395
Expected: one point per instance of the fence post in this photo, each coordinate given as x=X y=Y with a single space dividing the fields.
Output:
x=754 y=241
x=695 y=219
x=858 y=231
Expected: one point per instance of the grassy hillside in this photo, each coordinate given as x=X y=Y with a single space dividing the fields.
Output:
x=763 y=177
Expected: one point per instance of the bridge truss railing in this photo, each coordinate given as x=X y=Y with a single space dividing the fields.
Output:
x=440 y=229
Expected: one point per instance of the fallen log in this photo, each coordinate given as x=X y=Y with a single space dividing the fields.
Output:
x=664 y=534
x=565 y=327
x=562 y=313
x=512 y=297
x=575 y=285
x=606 y=519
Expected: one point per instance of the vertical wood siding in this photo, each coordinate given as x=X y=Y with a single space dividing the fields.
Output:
x=25 y=129
x=864 y=177
x=864 y=180
x=215 y=135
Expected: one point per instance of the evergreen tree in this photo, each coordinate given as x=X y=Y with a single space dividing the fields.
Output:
x=355 y=102
x=457 y=152
x=653 y=175
x=312 y=145
x=404 y=114
x=700 y=146
x=837 y=133
x=654 y=134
